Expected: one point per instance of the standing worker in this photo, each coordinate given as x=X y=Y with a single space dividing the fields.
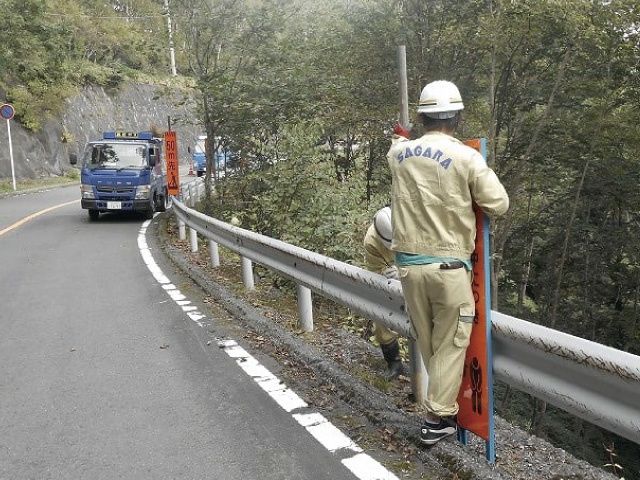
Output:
x=435 y=182
x=379 y=259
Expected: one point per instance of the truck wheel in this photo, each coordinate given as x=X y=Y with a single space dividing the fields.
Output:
x=164 y=202
x=152 y=209
x=94 y=215
x=200 y=173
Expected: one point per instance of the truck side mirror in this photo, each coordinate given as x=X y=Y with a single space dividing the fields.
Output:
x=73 y=158
x=189 y=149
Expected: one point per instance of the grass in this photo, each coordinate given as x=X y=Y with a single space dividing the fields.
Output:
x=6 y=185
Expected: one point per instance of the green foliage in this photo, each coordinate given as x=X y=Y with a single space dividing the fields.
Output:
x=299 y=199
x=52 y=47
x=73 y=174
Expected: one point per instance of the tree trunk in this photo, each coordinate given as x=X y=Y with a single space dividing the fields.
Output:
x=506 y=399
x=505 y=225
x=208 y=129
x=565 y=247
x=631 y=337
x=526 y=264
x=539 y=412
x=370 y=170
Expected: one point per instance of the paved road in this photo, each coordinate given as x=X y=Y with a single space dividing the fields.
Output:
x=86 y=392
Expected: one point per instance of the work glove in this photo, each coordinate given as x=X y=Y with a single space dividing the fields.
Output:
x=401 y=131
x=391 y=273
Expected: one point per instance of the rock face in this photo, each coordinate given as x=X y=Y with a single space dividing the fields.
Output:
x=131 y=108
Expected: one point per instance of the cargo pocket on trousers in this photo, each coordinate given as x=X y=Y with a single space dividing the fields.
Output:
x=462 y=338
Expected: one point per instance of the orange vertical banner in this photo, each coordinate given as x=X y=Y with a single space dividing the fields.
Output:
x=171 y=155
x=476 y=392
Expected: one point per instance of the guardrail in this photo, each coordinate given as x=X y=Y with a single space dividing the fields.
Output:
x=594 y=382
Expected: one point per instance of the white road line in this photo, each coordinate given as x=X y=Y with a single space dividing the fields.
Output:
x=34 y=215
x=328 y=435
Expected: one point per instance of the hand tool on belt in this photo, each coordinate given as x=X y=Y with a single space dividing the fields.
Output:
x=451 y=265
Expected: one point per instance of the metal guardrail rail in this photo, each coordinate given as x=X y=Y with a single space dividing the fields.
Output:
x=592 y=381
x=596 y=383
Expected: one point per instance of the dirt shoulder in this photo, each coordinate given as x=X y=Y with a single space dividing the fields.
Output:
x=340 y=373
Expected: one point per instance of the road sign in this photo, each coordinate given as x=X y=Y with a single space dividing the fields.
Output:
x=476 y=392
x=171 y=154
x=7 y=111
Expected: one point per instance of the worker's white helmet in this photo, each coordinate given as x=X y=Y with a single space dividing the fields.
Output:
x=382 y=225
x=440 y=99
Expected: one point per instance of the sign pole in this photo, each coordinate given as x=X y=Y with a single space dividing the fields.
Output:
x=476 y=392
x=13 y=171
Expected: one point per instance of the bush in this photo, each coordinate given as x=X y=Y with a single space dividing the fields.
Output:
x=300 y=200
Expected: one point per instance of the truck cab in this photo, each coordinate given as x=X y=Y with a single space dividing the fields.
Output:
x=123 y=172
x=199 y=156
x=221 y=157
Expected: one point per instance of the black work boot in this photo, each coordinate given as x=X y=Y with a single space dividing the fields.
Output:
x=391 y=354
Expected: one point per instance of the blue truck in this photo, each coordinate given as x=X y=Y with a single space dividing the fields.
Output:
x=123 y=172
x=198 y=155
x=222 y=155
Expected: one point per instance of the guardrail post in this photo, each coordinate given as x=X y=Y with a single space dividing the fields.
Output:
x=419 y=377
x=305 y=309
x=214 y=254
x=193 y=237
x=247 y=273
x=182 y=231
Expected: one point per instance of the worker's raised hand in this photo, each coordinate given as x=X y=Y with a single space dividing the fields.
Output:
x=401 y=131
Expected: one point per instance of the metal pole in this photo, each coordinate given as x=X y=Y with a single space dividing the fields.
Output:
x=13 y=172
x=419 y=377
x=172 y=53
x=214 y=253
x=305 y=309
x=193 y=237
x=247 y=273
x=404 y=93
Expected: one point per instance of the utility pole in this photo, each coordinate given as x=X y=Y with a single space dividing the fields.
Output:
x=404 y=94
x=172 y=53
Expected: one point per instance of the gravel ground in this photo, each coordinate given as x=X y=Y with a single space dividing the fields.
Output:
x=340 y=373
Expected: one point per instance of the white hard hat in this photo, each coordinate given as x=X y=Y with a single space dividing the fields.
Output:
x=382 y=225
x=440 y=99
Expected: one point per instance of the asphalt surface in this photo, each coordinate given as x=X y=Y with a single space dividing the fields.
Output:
x=101 y=375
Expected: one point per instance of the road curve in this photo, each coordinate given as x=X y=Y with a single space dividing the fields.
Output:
x=100 y=373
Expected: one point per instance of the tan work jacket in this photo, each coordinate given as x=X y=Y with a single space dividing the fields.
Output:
x=377 y=257
x=436 y=179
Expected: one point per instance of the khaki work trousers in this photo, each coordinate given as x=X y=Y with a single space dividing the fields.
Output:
x=441 y=308
x=383 y=335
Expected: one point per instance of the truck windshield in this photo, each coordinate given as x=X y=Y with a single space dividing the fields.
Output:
x=199 y=148
x=116 y=155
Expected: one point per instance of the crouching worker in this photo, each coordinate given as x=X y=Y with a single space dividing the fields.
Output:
x=379 y=259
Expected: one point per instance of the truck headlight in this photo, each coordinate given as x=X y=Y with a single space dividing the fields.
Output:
x=142 y=192
x=87 y=191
